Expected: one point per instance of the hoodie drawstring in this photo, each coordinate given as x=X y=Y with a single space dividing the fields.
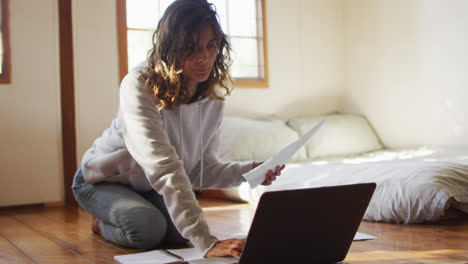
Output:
x=201 y=145
x=181 y=136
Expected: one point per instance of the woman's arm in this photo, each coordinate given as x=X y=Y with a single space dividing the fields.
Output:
x=219 y=174
x=148 y=143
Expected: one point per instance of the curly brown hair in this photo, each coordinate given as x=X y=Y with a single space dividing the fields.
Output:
x=176 y=38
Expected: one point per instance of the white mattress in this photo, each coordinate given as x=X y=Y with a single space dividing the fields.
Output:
x=413 y=185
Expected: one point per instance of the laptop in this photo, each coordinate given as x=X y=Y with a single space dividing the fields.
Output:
x=315 y=225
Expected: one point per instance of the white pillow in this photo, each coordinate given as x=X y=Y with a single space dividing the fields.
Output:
x=340 y=135
x=245 y=139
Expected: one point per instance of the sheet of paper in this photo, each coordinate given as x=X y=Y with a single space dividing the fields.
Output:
x=194 y=256
x=187 y=253
x=361 y=236
x=256 y=176
x=191 y=255
x=224 y=260
x=150 y=257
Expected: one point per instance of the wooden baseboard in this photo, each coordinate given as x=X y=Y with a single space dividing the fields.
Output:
x=214 y=194
x=219 y=195
x=54 y=204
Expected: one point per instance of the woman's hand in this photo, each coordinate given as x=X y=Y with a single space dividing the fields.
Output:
x=271 y=175
x=230 y=247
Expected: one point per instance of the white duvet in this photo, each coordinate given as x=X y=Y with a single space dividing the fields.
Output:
x=413 y=186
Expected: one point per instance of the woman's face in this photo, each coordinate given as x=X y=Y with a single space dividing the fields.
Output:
x=198 y=65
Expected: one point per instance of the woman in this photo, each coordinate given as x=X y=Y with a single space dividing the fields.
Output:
x=137 y=178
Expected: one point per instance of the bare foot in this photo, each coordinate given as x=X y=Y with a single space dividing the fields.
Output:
x=450 y=211
x=96 y=226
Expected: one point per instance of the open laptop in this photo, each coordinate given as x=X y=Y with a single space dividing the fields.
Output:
x=315 y=225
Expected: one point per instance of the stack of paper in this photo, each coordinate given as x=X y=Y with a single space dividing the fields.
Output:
x=191 y=255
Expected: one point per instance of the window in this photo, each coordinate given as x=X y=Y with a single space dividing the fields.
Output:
x=242 y=20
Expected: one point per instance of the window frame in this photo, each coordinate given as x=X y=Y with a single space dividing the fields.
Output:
x=261 y=82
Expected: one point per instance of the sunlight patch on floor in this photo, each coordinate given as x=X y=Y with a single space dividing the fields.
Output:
x=226 y=207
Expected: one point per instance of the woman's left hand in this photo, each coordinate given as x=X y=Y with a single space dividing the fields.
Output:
x=271 y=175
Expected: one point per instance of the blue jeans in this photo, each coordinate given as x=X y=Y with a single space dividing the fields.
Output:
x=128 y=218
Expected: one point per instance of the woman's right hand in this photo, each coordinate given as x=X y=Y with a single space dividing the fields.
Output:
x=229 y=247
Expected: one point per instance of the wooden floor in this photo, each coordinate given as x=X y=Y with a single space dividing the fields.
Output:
x=35 y=234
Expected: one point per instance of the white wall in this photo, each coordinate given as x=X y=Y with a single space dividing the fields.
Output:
x=96 y=69
x=406 y=65
x=30 y=149
x=305 y=51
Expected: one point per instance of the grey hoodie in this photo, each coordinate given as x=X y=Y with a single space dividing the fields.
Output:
x=171 y=151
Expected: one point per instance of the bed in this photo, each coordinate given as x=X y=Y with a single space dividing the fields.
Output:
x=414 y=185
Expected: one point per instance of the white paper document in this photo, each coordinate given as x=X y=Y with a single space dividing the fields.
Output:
x=256 y=176
x=150 y=257
x=191 y=255
x=361 y=236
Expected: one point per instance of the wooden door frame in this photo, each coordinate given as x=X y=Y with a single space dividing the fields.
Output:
x=67 y=99
x=5 y=76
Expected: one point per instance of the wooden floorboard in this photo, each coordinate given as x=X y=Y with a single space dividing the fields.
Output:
x=397 y=243
x=34 y=245
x=70 y=235
x=35 y=234
x=11 y=254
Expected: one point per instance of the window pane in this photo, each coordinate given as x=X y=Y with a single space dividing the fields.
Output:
x=245 y=57
x=139 y=43
x=222 y=13
x=242 y=18
x=142 y=14
x=244 y=71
